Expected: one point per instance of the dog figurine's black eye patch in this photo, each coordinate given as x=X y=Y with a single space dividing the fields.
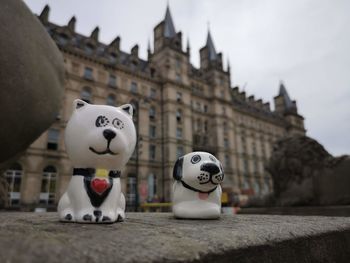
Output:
x=195 y=159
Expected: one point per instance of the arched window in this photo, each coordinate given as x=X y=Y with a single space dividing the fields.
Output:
x=85 y=95
x=48 y=185
x=14 y=177
x=111 y=101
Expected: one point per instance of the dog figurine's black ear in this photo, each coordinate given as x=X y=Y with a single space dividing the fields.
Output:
x=222 y=170
x=177 y=172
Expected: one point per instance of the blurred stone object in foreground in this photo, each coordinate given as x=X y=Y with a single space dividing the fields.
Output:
x=304 y=173
x=31 y=81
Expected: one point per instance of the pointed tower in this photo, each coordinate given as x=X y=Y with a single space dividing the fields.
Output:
x=169 y=29
x=165 y=34
x=44 y=15
x=208 y=55
x=168 y=56
x=287 y=108
x=71 y=24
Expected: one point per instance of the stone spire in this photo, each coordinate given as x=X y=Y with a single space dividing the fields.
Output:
x=71 y=24
x=44 y=15
x=211 y=48
x=94 y=33
x=169 y=29
x=188 y=47
x=289 y=105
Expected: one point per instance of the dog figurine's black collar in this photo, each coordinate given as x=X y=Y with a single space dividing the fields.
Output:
x=90 y=172
x=196 y=190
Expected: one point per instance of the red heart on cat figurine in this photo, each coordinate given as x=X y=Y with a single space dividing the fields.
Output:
x=99 y=185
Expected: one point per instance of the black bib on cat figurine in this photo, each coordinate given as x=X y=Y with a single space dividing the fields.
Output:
x=96 y=195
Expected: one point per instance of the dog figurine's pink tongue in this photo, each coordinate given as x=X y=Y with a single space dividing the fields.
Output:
x=203 y=196
x=197 y=190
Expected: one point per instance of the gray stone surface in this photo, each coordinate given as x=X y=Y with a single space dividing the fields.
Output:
x=156 y=237
x=31 y=79
x=299 y=210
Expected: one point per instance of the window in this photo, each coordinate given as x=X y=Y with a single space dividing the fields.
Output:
x=226 y=143
x=254 y=148
x=245 y=166
x=256 y=188
x=14 y=177
x=85 y=95
x=256 y=169
x=133 y=65
x=245 y=183
x=205 y=126
x=52 y=139
x=205 y=108
x=131 y=190
x=227 y=160
x=63 y=39
x=48 y=185
x=113 y=58
x=225 y=126
x=266 y=188
x=178 y=77
x=198 y=106
x=244 y=145
x=89 y=49
x=133 y=87
x=152 y=187
x=178 y=96
x=178 y=115
x=112 y=81
x=199 y=125
x=152 y=113
x=179 y=133
x=153 y=93
x=152 y=131
x=111 y=101
x=178 y=63
x=88 y=73
x=152 y=152
x=222 y=94
x=180 y=151
x=223 y=111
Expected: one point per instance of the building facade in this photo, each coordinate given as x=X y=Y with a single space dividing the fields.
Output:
x=178 y=109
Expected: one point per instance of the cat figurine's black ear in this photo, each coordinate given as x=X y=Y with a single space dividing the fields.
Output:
x=177 y=171
x=128 y=109
x=77 y=104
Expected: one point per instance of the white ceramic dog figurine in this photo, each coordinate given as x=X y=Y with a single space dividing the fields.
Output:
x=99 y=140
x=197 y=190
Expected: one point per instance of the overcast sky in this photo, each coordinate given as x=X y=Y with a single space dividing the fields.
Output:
x=305 y=43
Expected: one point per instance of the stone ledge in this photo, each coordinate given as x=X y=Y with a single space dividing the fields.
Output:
x=158 y=237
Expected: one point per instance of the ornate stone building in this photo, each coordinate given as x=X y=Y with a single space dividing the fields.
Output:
x=179 y=108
